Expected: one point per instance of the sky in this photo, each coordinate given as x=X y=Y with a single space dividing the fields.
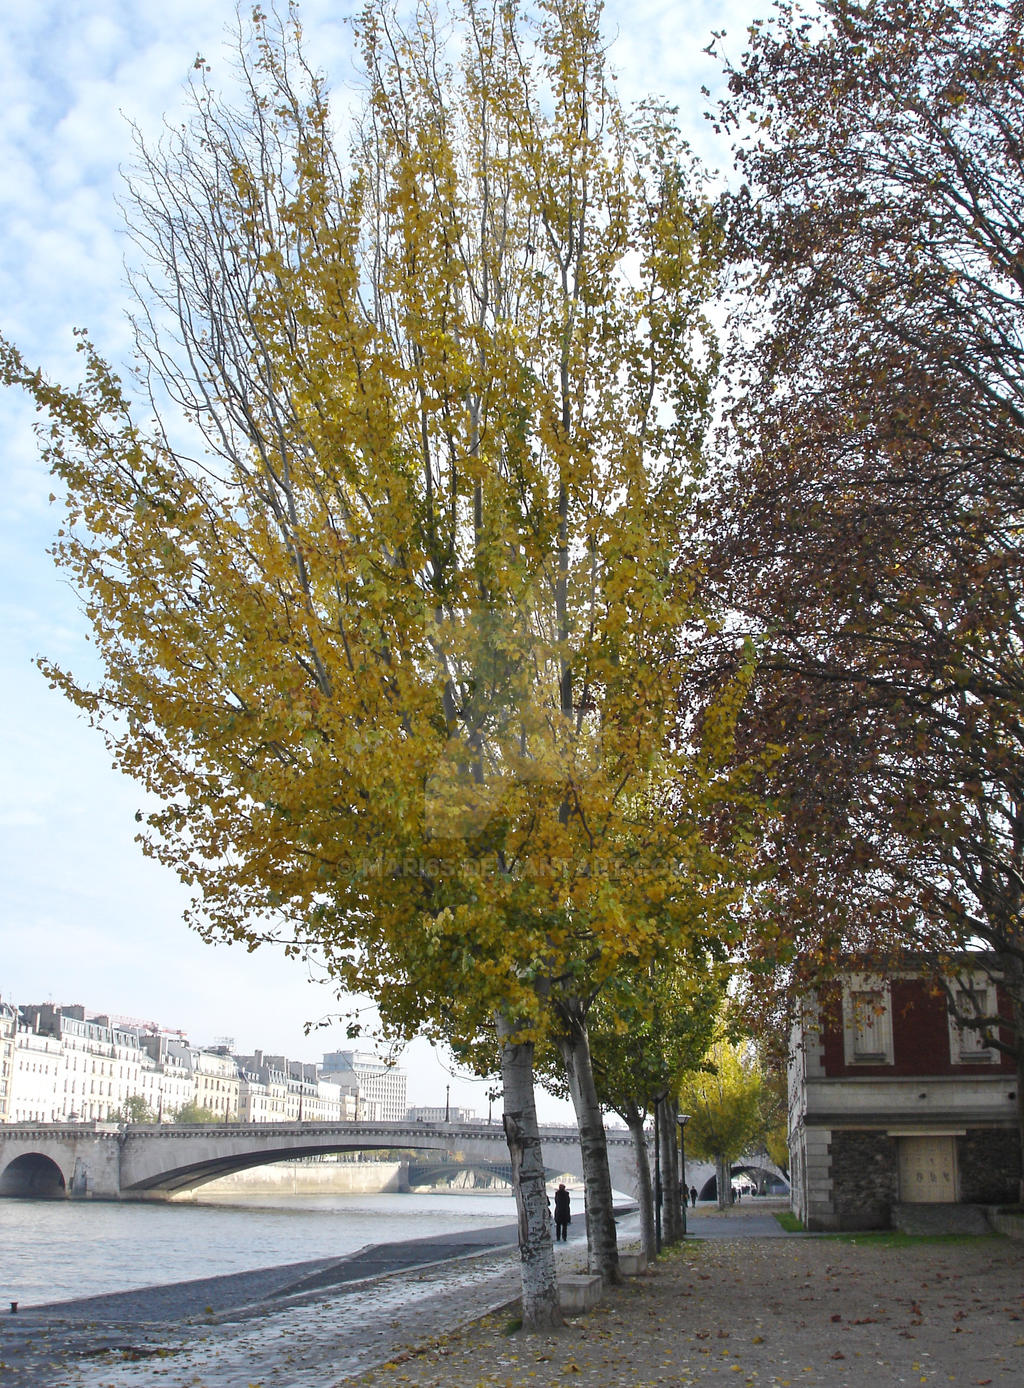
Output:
x=84 y=917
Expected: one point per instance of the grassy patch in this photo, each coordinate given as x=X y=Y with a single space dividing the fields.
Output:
x=513 y=1326
x=789 y=1221
x=893 y=1238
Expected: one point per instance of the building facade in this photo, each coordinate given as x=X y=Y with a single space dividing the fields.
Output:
x=37 y=1087
x=60 y=1064
x=166 y=1078
x=277 y=1090
x=96 y=1063
x=8 y=1026
x=216 y=1084
x=441 y=1113
x=380 y=1089
x=891 y=1102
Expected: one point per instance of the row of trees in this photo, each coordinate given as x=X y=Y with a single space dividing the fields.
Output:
x=385 y=586
x=445 y=654
x=135 y=1109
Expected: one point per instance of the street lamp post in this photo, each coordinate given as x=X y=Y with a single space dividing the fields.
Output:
x=682 y=1119
x=447 y=1105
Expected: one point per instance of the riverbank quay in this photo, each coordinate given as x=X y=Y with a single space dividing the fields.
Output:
x=848 y=1312
x=734 y=1306
x=295 y=1322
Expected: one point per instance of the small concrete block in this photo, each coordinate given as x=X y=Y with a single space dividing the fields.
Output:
x=578 y=1293
x=1003 y=1222
x=632 y=1264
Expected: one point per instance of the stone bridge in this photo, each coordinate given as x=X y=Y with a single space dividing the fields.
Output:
x=108 y=1161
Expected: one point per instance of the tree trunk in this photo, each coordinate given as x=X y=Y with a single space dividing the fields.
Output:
x=574 y=1046
x=1020 y=1102
x=678 y=1192
x=644 y=1185
x=541 y=1310
x=723 y=1179
x=1012 y=977
x=671 y=1221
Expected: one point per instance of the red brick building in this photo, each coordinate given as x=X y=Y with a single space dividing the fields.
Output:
x=890 y=1102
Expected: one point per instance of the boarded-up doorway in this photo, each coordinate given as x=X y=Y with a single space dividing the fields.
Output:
x=928 y=1170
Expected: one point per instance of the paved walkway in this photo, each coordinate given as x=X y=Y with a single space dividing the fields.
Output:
x=739 y=1221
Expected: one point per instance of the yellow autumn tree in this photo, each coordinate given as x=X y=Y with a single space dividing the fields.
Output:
x=725 y=1099
x=380 y=564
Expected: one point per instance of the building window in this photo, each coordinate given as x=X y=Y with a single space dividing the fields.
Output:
x=867 y=1023
x=968 y=1045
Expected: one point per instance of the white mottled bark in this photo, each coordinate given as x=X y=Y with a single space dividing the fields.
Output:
x=541 y=1310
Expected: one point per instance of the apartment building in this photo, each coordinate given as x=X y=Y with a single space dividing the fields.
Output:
x=216 y=1083
x=277 y=1090
x=379 y=1088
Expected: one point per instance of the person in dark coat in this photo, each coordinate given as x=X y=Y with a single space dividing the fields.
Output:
x=562 y=1215
x=693 y=1196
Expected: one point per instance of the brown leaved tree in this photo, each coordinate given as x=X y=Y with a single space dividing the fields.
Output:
x=869 y=524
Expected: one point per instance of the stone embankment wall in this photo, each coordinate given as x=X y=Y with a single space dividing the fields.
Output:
x=312 y=1178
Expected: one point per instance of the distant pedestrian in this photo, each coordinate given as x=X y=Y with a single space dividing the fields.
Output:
x=693 y=1197
x=562 y=1216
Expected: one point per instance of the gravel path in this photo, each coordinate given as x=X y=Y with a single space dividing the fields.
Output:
x=804 y=1311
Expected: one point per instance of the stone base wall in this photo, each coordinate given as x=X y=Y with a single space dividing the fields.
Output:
x=988 y=1163
x=798 y=1189
x=863 y=1176
x=810 y=1173
x=865 y=1179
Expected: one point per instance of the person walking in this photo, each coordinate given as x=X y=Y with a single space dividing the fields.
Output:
x=562 y=1216
x=693 y=1196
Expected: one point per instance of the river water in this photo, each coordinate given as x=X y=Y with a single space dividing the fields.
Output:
x=58 y=1250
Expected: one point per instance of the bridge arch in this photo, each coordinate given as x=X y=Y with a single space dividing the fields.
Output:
x=192 y=1173
x=33 y=1176
x=158 y=1163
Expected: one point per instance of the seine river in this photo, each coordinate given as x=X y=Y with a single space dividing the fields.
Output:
x=57 y=1250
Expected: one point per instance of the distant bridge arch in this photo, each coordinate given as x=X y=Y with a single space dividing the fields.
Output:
x=761 y=1171
x=426 y=1172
